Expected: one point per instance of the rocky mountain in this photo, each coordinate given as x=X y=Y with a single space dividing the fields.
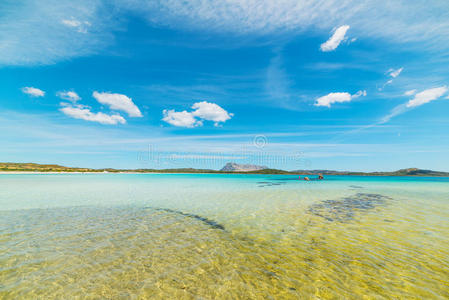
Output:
x=234 y=167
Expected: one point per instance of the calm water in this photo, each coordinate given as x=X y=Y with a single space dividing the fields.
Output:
x=223 y=237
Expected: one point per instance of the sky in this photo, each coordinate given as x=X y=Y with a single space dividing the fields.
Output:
x=341 y=85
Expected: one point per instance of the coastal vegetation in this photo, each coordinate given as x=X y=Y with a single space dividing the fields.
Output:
x=33 y=167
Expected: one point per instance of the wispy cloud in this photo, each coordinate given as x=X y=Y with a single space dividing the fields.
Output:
x=71 y=23
x=80 y=26
x=397 y=110
x=332 y=98
x=203 y=156
x=419 y=99
x=410 y=92
x=33 y=92
x=426 y=96
x=277 y=82
x=34 y=32
x=334 y=41
x=52 y=137
x=393 y=73
x=266 y=16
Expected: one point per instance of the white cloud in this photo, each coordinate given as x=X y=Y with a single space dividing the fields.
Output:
x=114 y=101
x=84 y=113
x=69 y=95
x=427 y=96
x=180 y=118
x=333 y=98
x=118 y=102
x=210 y=112
x=202 y=111
x=395 y=73
x=33 y=92
x=410 y=92
x=334 y=41
x=337 y=98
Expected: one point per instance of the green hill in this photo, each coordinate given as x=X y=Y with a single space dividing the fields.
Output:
x=32 y=167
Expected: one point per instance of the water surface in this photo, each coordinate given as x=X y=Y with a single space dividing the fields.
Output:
x=209 y=236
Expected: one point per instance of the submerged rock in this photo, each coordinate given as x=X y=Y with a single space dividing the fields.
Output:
x=345 y=209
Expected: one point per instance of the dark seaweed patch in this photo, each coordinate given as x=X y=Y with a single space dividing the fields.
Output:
x=269 y=183
x=344 y=210
x=205 y=220
x=356 y=186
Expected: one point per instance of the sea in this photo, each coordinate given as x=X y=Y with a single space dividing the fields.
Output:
x=223 y=236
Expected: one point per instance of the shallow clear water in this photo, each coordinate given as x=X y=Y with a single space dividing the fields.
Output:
x=223 y=236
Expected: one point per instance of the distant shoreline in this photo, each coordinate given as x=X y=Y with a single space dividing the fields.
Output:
x=207 y=173
x=33 y=168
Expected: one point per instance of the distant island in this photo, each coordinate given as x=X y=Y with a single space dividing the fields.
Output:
x=229 y=168
x=233 y=167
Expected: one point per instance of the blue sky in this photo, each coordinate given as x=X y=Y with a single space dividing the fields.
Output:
x=163 y=84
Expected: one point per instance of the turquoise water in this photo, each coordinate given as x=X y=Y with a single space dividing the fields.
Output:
x=208 y=236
